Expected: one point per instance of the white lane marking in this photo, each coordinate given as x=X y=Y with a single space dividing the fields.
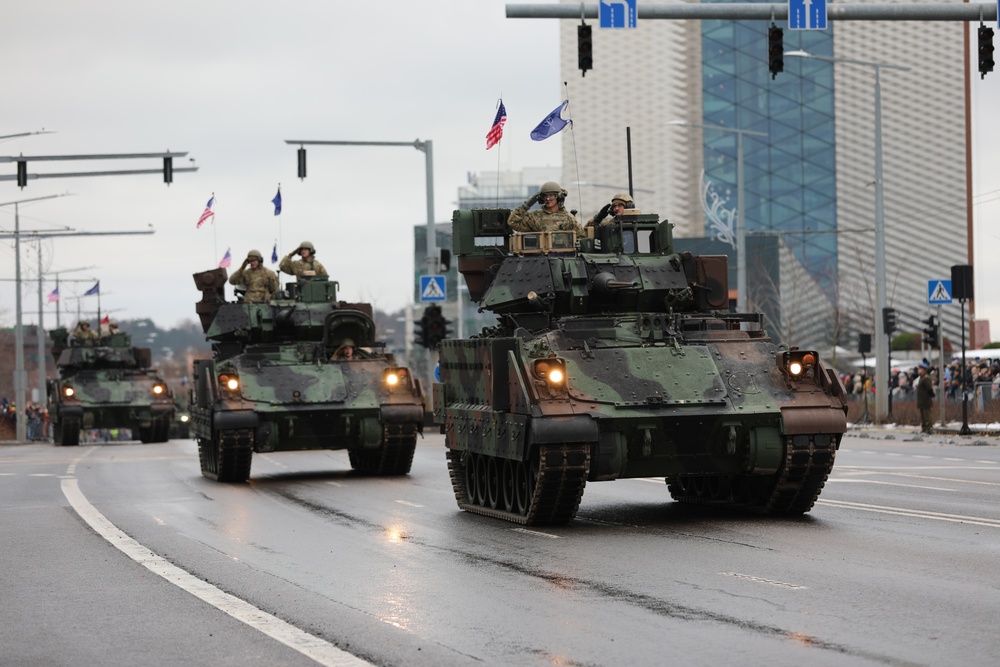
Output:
x=920 y=514
x=308 y=645
x=334 y=483
x=761 y=580
x=536 y=533
x=875 y=481
x=408 y=503
x=653 y=480
x=41 y=474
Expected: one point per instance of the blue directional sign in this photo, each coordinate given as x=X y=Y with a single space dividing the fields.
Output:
x=938 y=291
x=807 y=14
x=617 y=13
x=432 y=288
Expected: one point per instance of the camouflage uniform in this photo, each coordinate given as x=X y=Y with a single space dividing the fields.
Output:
x=301 y=267
x=523 y=220
x=84 y=336
x=261 y=283
x=602 y=218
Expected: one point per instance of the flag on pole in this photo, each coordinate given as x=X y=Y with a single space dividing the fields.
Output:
x=496 y=132
x=96 y=289
x=54 y=296
x=227 y=259
x=552 y=124
x=277 y=202
x=274 y=254
x=208 y=212
x=105 y=326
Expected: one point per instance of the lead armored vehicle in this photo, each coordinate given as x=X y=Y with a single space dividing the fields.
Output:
x=276 y=382
x=105 y=383
x=615 y=357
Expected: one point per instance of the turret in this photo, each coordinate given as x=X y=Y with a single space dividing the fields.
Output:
x=626 y=266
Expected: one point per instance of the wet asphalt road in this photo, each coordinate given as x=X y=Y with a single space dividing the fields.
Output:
x=896 y=565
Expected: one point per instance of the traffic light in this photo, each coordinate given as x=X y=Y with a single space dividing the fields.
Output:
x=420 y=331
x=168 y=170
x=436 y=327
x=775 y=50
x=985 y=51
x=584 y=48
x=931 y=332
x=22 y=173
x=889 y=320
x=302 y=162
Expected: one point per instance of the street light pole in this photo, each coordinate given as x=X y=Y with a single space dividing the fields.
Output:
x=881 y=336
x=742 y=301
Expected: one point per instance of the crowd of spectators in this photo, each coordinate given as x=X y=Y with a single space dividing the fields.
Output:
x=979 y=374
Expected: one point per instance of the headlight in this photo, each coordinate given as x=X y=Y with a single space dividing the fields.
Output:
x=795 y=363
x=394 y=377
x=68 y=391
x=185 y=418
x=552 y=370
x=229 y=382
x=158 y=389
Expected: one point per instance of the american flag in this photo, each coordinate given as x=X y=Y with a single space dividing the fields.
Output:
x=54 y=296
x=208 y=212
x=496 y=132
x=227 y=259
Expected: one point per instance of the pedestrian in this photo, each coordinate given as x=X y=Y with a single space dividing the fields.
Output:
x=925 y=398
x=260 y=282
x=552 y=216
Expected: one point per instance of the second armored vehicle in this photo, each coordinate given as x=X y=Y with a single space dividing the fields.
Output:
x=105 y=383
x=615 y=357
x=279 y=382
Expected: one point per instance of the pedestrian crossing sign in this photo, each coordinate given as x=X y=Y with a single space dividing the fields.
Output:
x=432 y=288
x=938 y=291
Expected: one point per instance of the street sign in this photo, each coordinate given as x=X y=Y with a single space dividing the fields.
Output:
x=432 y=288
x=617 y=13
x=938 y=291
x=807 y=14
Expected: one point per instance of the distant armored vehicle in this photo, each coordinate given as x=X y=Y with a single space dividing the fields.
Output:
x=278 y=382
x=105 y=383
x=615 y=357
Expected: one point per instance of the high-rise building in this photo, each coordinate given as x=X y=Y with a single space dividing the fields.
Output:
x=809 y=181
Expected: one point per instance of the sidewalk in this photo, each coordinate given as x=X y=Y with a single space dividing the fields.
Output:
x=982 y=434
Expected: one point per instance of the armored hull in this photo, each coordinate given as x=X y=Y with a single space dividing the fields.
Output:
x=273 y=384
x=623 y=364
x=107 y=384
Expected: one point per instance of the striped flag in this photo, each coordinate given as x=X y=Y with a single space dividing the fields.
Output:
x=208 y=212
x=227 y=259
x=496 y=132
x=54 y=296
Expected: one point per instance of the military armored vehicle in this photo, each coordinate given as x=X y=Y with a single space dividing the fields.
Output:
x=276 y=382
x=105 y=383
x=615 y=357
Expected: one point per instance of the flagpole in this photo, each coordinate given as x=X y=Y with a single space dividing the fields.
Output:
x=215 y=230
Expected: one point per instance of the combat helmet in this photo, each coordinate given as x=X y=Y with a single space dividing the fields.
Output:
x=309 y=246
x=550 y=186
x=256 y=253
x=623 y=198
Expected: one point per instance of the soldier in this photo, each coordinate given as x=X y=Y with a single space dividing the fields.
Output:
x=346 y=350
x=552 y=216
x=260 y=281
x=307 y=266
x=83 y=334
x=619 y=203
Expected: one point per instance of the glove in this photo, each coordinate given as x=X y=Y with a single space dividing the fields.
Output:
x=603 y=213
x=530 y=201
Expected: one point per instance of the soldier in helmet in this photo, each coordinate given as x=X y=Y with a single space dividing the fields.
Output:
x=260 y=281
x=83 y=334
x=346 y=350
x=552 y=216
x=619 y=203
x=305 y=267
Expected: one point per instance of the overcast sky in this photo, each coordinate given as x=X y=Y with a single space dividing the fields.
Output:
x=229 y=82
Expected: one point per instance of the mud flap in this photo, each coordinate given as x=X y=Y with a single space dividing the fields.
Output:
x=559 y=430
x=234 y=419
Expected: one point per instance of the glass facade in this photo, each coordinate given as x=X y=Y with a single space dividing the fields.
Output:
x=789 y=175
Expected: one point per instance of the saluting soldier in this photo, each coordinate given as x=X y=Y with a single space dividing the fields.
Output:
x=551 y=216
x=307 y=266
x=619 y=203
x=260 y=282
